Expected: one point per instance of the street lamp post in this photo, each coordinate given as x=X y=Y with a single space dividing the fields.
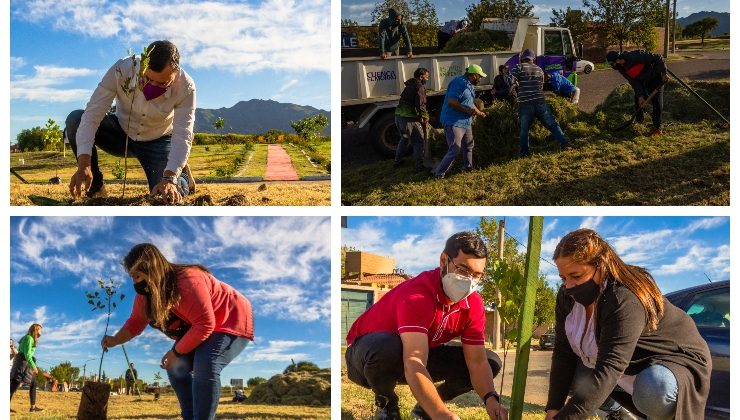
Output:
x=84 y=369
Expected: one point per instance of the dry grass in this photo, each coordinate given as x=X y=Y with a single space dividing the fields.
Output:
x=64 y=406
x=250 y=194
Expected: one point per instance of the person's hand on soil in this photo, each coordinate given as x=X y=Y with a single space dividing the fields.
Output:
x=551 y=414
x=83 y=176
x=168 y=360
x=168 y=190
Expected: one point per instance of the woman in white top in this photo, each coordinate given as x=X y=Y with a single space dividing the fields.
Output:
x=612 y=319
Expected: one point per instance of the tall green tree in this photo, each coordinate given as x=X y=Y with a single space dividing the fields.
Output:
x=31 y=139
x=423 y=17
x=65 y=372
x=380 y=11
x=701 y=28
x=574 y=19
x=624 y=21
x=498 y=9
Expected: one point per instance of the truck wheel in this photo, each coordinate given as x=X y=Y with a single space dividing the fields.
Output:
x=384 y=135
x=587 y=69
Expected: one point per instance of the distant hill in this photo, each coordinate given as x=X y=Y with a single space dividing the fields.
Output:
x=724 y=21
x=255 y=116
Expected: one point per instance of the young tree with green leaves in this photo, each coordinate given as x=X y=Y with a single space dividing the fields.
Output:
x=497 y=9
x=104 y=301
x=310 y=127
x=52 y=136
x=425 y=24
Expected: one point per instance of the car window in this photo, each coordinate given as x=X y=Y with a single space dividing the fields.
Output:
x=553 y=43
x=711 y=308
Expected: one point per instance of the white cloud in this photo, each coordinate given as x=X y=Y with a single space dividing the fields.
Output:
x=44 y=85
x=591 y=222
x=292 y=302
x=241 y=37
x=276 y=351
x=16 y=63
x=706 y=224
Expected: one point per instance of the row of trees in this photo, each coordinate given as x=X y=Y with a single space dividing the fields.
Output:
x=618 y=22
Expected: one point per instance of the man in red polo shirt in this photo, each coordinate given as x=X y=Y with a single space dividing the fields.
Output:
x=403 y=338
x=645 y=72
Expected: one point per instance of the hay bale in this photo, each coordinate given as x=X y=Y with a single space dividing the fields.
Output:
x=295 y=388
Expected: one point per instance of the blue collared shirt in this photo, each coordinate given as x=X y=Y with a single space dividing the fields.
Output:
x=461 y=89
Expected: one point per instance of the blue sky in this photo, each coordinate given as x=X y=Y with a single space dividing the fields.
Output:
x=234 y=50
x=281 y=265
x=677 y=251
x=360 y=10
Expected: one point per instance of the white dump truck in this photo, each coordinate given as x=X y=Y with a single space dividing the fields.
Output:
x=371 y=86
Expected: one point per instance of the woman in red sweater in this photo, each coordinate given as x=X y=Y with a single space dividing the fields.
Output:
x=210 y=322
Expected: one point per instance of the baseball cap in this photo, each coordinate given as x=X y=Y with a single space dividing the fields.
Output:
x=475 y=69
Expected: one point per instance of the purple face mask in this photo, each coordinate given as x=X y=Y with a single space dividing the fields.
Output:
x=152 y=91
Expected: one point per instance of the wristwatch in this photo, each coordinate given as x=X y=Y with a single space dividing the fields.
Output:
x=490 y=394
x=171 y=178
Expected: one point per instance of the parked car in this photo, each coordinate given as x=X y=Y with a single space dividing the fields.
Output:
x=547 y=340
x=709 y=306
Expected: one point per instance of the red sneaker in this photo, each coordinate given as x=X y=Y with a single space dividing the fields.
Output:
x=655 y=133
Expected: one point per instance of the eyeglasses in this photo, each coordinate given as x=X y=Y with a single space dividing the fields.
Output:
x=464 y=271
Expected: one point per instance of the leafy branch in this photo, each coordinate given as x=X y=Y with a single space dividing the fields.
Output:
x=103 y=301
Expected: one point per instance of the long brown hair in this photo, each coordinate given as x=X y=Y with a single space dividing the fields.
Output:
x=585 y=246
x=34 y=331
x=161 y=278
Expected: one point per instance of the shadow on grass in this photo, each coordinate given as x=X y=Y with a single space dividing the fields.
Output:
x=651 y=182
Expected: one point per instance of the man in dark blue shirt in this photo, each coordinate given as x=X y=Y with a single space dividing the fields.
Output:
x=532 y=103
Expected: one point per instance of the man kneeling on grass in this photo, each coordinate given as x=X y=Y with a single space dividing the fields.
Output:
x=404 y=338
x=155 y=110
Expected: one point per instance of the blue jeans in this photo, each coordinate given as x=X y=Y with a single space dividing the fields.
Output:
x=196 y=377
x=110 y=137
x=411 y=132
x=458 y=139
x=655 y=392
x=527 y=114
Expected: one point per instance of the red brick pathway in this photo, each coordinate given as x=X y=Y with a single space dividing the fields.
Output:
x=279 y=167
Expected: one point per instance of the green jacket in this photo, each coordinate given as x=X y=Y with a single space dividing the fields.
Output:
x=389 y=34
x=27 y=347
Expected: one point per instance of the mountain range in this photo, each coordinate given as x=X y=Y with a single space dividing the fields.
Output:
x=255 y=116
x=724 y=21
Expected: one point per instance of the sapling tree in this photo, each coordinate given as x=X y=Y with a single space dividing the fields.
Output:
x=218 y=124
x=104 y=301
x=130 y=84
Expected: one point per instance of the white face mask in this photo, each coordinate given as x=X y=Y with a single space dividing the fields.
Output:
x=457 y=287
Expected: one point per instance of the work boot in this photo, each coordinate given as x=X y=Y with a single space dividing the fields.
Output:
x=387 y=410
x=656 y=132
x=418 y=413
x=191 y=179
x=34 y=408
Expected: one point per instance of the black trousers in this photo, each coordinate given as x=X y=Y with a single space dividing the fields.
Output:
x=442 y=39
x=375 y=361
x=14 y=385
x=656 y=102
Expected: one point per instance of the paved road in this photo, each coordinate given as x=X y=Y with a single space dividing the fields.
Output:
x=595 y=87
x=538 y=375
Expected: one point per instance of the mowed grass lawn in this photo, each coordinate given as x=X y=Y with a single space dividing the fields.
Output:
x=709 y=44
x=39 y=167
x=64 y=406
x=688 y=165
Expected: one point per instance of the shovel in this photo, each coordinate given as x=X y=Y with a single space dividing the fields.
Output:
x=629 y=122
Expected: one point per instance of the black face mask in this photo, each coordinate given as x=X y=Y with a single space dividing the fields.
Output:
x=585 y=293
x=142 y=288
